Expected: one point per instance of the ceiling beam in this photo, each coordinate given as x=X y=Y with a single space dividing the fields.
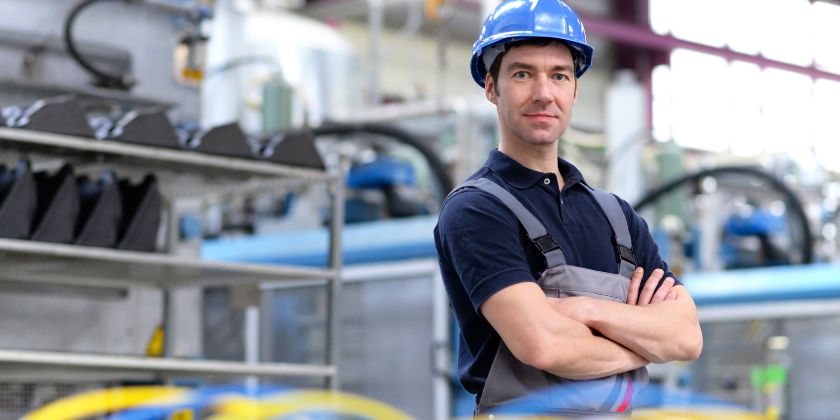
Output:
x=634 y=35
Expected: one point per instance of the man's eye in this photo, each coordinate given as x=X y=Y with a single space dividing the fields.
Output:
x=520 y=74
x=560 y=76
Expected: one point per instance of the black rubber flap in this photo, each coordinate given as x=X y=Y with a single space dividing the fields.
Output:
x=227 y=140
x=61 y=114
x=100 y=211
x=146 y=126
x=17 y=200
x=142 y=207
x=58 y=206
x=296 y=148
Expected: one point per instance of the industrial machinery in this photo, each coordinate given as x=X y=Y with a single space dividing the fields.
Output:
x=104 y=154
x=757 y=254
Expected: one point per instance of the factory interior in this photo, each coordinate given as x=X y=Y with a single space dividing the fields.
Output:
x=230 y=204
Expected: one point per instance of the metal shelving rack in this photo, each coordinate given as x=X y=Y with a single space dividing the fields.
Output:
x=181 y=173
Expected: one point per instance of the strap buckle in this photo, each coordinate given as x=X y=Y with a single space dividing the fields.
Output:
x=546 y=243
x=625 y=254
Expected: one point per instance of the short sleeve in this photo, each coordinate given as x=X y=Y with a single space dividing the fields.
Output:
x=478 y=238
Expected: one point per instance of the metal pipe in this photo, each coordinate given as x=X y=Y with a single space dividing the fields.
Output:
x=443 y=64
x=334 y=289
x=102 y=362
x=631 y=34
x=252 y=345
x=440 y=348
x=168 y=322
x=376 y=16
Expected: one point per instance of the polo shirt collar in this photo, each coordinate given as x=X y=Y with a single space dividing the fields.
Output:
x=521 y=177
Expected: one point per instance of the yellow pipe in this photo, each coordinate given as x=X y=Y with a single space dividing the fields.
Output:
x=106 y=400
x=300 y=402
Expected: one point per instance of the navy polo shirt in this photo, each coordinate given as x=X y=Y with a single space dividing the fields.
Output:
x=482 y=248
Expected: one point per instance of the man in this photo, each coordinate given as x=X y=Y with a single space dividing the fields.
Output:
x=544 y=273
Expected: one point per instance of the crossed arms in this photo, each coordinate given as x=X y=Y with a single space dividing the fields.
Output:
x=556 y=335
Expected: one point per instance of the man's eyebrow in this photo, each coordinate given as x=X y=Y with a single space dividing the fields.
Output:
x=525 y=66
x=518 y=65
x=564 y=68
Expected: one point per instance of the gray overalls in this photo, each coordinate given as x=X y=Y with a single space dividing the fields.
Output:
x=511 y=382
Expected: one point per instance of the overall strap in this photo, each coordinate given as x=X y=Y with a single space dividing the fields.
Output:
x=624 y=245
x=536 y=230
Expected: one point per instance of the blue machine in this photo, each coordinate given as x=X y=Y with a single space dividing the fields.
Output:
x=395 y=182
x=382 y=172
x=760 y=225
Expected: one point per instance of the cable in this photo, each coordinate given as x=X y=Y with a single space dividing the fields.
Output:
x=794 y=203
x=112 y=81
x=442 y=177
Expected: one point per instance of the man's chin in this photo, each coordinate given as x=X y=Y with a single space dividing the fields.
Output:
x=542 y=140
x=543 y=136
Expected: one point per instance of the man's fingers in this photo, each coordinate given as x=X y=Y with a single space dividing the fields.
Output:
x=672 y=295
x=635 y=281
x=663 y=291
x=650 y=285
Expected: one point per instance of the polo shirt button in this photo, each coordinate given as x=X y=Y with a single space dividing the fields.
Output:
x=546 y=181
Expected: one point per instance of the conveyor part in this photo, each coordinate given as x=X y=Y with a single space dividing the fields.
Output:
x=100 y=211
x=226 y=140
x=58 y=206
x=296 y=148
x=141 y=208
x=146 y=126
x=17 y=200
x=60 y=114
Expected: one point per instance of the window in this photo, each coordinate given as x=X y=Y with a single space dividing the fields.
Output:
x=703 y=101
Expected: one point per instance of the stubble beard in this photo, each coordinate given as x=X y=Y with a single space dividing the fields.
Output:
x=539 y=139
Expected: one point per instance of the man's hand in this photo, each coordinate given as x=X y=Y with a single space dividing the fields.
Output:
x=658 y=325
x=578 y=308
x=647 y=295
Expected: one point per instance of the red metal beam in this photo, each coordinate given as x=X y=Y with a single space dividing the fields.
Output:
x=630 y=34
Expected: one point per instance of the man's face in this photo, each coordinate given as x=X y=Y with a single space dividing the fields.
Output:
x=536 y=92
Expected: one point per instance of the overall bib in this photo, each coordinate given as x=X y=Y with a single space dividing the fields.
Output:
x=511 y=382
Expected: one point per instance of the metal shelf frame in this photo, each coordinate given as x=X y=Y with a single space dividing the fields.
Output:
x=183 y=158
x=70 y=361
x=70 y=265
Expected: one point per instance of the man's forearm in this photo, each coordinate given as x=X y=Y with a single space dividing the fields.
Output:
x=658 y=332
x=548 y=340
x=594 y=357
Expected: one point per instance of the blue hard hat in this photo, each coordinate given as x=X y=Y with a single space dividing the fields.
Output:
x=514 y=20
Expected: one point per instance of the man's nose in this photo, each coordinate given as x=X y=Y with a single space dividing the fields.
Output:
x=541 y=89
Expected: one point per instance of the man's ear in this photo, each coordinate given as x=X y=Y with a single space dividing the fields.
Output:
x=490 y=89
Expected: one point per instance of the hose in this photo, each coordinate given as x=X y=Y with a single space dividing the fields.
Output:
x=794 y=204
x=103 y=79
x=441 y=173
